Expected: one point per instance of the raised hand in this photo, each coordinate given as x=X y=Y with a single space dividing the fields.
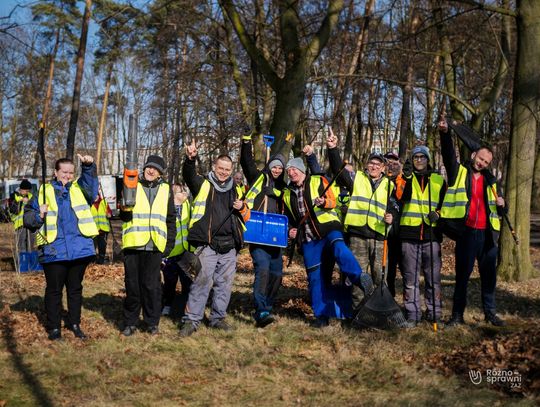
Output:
x=191 y=150
x=308 y=150
x=85 y=159
x=331 y=140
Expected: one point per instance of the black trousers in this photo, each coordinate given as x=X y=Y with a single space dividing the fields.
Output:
x=100 y=243
x=143 y=286
x=57 y=275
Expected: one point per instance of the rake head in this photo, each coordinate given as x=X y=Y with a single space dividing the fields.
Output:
x=380 y=311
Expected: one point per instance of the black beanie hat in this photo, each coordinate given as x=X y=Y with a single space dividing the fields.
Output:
x=25 y=184
x=156 y=162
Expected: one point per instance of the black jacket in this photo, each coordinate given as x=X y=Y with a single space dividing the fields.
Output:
x=210 y=228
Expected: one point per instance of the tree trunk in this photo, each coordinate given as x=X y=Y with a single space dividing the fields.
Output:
x=515 y=262
x=75 y=103
x=535 y=198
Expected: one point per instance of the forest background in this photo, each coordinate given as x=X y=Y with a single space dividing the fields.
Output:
x=379 y=72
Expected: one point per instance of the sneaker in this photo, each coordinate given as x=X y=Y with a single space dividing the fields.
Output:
x=410 y=323
x=264 y=319
x=166 y=310
x=129 y=330
x=494 y=320
x=55 y=334
x=455 y=320
x=221 y=325
x=187 y=329
x=153 y=330
x=366 y=284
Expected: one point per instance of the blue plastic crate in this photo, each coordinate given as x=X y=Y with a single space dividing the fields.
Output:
x=269 y=229
x=28 y=261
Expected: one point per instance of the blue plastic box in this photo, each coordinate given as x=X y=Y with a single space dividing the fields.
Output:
x=269 y=229
x=28 y=261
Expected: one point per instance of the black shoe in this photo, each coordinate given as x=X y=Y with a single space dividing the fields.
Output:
x=494 y=320
x=55 y=334
x=222 y=326
x=76 y=329
x=321 y=322
x=129 y=330
x=153 y=330
x=366 y=284
x=187 y=329
x=455 y=320
x=264 y=319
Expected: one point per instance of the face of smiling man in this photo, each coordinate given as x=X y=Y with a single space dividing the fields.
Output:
x=481 y=159
x=222 y=169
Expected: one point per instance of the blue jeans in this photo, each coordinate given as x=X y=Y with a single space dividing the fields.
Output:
x=268 y=269
x=475 y=245
x=329 y=300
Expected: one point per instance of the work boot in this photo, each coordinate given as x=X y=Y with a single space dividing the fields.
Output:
x=166 y=310
x=187 y=329
x=55 y=334
x=153 y=330
x=494 y=320
x=455 y=320
x=410 y=323
x=129 y=330
x=76 y=329
x=321 y=322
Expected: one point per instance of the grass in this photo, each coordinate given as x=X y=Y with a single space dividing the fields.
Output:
x=287 y=363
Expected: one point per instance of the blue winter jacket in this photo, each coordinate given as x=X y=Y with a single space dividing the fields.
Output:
x=69 y=244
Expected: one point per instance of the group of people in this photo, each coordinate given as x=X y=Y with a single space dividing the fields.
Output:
x=343 y=217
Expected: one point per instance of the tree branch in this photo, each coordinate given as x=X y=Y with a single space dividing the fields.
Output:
x=487 y=7
x=320 y=39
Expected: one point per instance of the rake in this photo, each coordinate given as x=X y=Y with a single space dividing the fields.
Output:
x=380 y=311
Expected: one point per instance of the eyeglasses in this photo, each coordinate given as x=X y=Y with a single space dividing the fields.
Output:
x=375 y=164
x=419 y=158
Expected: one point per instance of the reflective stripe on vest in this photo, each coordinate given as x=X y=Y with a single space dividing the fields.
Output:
x=86 y=223
x=368 y=206
x=100 y=216
x=148 y=222
x=323 y=215
x=181 y=244
x=418 y=208
x=18 y=218
x=456 y=201
x=254 y=191
x=199 y=203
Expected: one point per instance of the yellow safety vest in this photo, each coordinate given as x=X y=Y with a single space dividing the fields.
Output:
x=147 y=222
x=368 y=206
x=100 y=216
x=18 y=218
x=323 y=215
x=181 y=244
x=416 y=210
x=256 y=189
x=199 y=203
x=456 y=201
x=80 y=206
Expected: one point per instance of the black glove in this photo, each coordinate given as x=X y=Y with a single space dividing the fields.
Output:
x=268 y=191
x=407 y=168
x=433 y=216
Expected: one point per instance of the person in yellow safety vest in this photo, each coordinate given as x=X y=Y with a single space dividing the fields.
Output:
x=420 y=237
x=148 y=236
x=101 y=213
x=393 y=171
x=171 y=268
x=65 y=229
x=264 y=195
x=470 y=215
x=314 y=224
x=371 y=211
x=216 y=230
x=17 y=202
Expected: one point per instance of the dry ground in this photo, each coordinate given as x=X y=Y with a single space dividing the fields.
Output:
x=287 y=363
